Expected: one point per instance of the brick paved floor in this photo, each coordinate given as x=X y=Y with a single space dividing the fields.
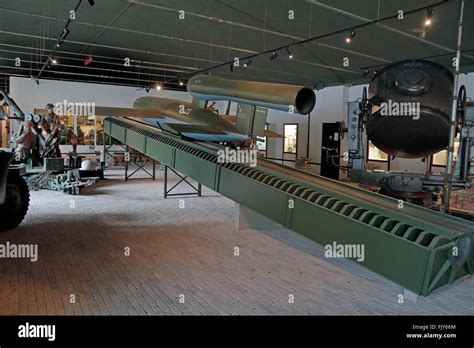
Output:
x=184 y=253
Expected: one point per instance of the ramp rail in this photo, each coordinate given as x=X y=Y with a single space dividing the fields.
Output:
x=420 y=249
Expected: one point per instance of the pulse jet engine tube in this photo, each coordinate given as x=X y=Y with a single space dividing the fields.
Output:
x=270 y=95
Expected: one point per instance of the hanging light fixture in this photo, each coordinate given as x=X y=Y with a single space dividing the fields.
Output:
x=429 y=17
x=351 y=36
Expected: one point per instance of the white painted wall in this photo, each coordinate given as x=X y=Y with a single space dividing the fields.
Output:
x=29 y=96
x=277 y=119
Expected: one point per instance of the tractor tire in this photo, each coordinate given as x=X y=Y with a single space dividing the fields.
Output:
x=17 y=200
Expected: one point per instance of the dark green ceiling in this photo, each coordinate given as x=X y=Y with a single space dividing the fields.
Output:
x=162 y=46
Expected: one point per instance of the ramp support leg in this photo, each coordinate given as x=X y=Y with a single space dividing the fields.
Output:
x=196 y=191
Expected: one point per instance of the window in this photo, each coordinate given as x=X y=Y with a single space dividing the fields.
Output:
x=290 y=133
x=262 y=142
x=439 y=159
x=4 y=134
x=86 y=130
x=89 y=129
x=67 y=130
x=99 y=129
x=374 y=154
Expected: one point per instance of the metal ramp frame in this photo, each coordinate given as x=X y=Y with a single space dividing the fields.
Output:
x=420 y=249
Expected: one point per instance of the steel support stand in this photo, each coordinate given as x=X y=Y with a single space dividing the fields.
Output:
x=140 y=167
x=196 y=190
x=110 y=153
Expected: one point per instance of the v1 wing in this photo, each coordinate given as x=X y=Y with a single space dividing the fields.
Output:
x=182 y=128
x=271 y=134
x=267 y=133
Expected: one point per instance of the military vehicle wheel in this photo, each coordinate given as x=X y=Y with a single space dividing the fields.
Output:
x=17 y=200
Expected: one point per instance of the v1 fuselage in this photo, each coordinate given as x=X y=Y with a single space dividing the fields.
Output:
x=193 y=121
x=180 y=118
x=188 y=120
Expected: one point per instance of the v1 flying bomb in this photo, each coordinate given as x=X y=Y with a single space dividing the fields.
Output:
x=194 y=121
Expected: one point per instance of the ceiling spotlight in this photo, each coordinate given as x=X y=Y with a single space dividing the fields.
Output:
x=366 y=72
x=64 y=34
x=351 y=36
x=62 y=37
x=429 y=16
x=158 y=87
x=290 y=55
x=247 y=63
x=51 y=60
x=181 y=83
x=274 y=55
x=375 y=72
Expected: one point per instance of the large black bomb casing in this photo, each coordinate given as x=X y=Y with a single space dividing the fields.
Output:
x=411 y=81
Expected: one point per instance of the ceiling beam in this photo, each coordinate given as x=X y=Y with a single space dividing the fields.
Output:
x=251 y=27
x=273 y=72
x=132 y=31
x=383 y=26
x=156 y=53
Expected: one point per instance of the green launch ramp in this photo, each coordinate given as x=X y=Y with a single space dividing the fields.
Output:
x=420 y=249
